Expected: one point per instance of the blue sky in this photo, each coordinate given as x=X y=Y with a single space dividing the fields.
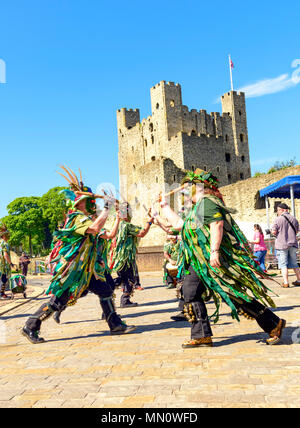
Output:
x=70 y=64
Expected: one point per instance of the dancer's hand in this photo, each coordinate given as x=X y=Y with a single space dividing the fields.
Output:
x=109 y=201
x=215 y=259
x=162 y=200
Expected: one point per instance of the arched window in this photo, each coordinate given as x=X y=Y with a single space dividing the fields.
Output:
x=157 y=106
x=241 y=138
x=151 y=127
x=241 y=176
x=227 y=157
x=243 y=158
x=152 y=139
x=226 y=137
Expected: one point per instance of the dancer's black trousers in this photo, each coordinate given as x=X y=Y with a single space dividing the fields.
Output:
x=193 y=289
x=101 y=289
x=127 y=277
x=4 y=283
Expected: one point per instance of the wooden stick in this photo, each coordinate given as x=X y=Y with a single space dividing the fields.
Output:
x=172 y=192
x=89 y=194
x=92 y=195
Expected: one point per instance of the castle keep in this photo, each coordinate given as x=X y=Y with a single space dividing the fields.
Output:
x=154 y=152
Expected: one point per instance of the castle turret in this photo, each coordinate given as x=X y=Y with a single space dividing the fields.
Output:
x=234 y=107
x=166 y=102
x=127 y=118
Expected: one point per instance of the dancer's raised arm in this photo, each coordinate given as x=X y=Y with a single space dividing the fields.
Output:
x=170 y=215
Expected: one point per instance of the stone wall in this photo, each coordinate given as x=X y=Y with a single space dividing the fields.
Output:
x=150 y=258
x=241 y=196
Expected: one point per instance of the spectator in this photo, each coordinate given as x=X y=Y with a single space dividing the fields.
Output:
x=260 y=248
x=23 y=263
x=285 y=229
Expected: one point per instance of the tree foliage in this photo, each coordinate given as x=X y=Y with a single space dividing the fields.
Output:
x=282 y=165
x=277 y=167
x=32 y=220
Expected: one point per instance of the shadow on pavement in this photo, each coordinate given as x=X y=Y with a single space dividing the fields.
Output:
x=78 y=322
x=158 y=311
x=286 y=308
x=160 y=302
x=259 y=337
x=288 y=338
x=5 y=318
x=146 y=287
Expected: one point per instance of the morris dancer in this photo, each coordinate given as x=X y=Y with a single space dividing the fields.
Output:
x=124 y=254
x=218 y=263
x=5 y=261
x=77 y=268
x=103 y=240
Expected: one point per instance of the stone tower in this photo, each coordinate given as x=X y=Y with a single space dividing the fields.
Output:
x=154 y=152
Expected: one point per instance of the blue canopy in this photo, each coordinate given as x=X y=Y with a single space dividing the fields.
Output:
x=281 y=189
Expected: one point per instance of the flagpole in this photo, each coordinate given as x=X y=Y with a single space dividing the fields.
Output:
x=230 y=69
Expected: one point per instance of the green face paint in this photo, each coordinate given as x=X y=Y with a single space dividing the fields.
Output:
x=90 y=206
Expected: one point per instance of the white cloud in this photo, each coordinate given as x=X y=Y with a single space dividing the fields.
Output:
x=269 y=86
x=272 y=85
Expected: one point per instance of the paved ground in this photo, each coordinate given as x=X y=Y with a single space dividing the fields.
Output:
x=34 y=289
x=81 y=365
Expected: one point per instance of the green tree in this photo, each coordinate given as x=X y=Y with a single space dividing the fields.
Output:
x=282 y=165
x=32 y=220
x=53 y=205
x=25 y=221
x=277 y=167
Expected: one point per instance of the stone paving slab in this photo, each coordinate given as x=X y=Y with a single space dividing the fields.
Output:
x=82 y=365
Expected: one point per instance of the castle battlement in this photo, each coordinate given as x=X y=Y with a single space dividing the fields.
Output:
x=124 y=110
x=234 y=93
x=163 y=82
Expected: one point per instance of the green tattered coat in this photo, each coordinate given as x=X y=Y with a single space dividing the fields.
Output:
x=5 y=268
x=239 y=273
x=79 y=257
x=126 y=246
